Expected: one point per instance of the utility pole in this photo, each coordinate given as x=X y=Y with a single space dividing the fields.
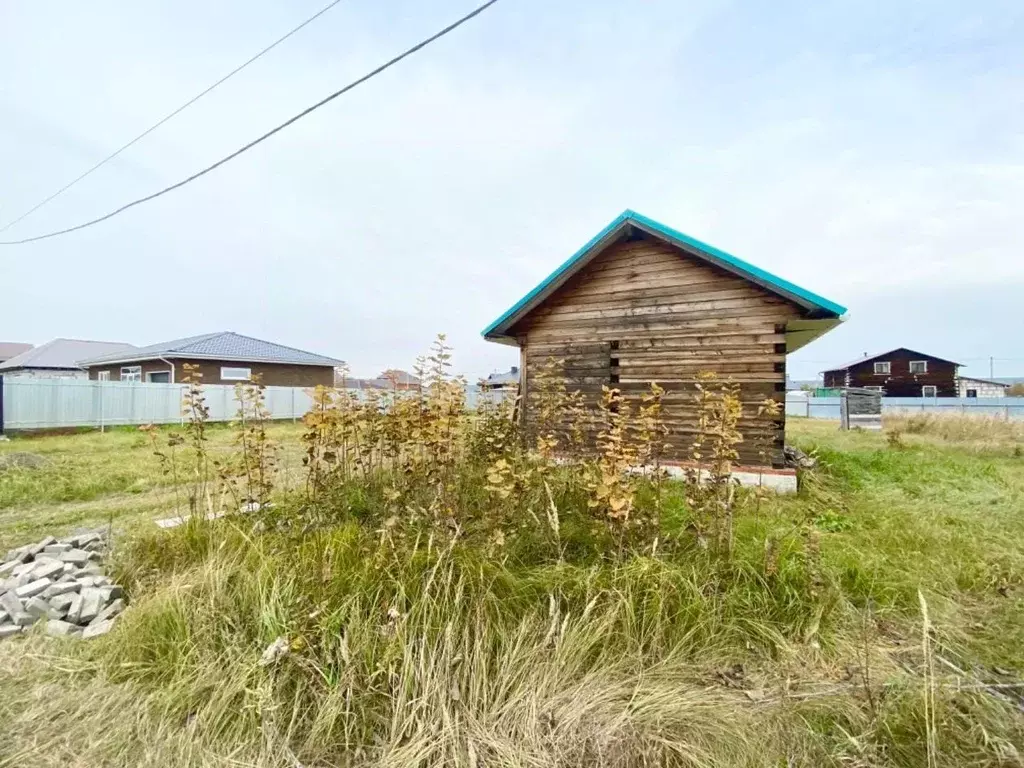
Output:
x=991 y=367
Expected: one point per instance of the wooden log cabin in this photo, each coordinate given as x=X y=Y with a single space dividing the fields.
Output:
x=900 y=372
x=642 y=302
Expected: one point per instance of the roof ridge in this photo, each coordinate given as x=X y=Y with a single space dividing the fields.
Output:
x=190 y=339
x=87 y=341
x=282 y=346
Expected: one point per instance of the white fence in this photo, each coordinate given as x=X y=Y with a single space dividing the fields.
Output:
x=50 y=403
x=56 y=403
x=828 y=407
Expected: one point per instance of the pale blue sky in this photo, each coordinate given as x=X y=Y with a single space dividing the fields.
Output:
x=871 y=151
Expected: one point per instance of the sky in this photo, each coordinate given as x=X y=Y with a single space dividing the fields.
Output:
x=872 y=152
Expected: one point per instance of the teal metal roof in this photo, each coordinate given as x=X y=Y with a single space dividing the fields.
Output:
x=817 y=305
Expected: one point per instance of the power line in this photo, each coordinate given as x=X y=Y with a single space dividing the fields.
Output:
x=373 y=73
x=179 y=110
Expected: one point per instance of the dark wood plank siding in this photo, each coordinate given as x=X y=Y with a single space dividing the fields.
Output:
x=899 y=382
x=836 y=379
x=273 y=375
x=644 y=311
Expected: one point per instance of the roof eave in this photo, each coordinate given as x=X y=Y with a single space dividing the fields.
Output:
x=30 y=367
x=817 y=305
x=802 y=331
x=496 y=331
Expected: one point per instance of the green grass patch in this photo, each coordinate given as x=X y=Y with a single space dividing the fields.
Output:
x=403 y=648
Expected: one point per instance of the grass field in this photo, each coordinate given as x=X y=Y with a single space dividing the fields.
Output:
x=92 y=478
x=807 y=648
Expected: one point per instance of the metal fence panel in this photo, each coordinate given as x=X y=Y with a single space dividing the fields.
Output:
x=828 y=407
x=54 y=403
x=1006 y=407
x=57 y=403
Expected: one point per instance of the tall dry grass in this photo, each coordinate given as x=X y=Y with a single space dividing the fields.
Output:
x=436 y=655
x=957 y=428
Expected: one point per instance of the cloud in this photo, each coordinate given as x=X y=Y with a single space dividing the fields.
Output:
x=874 y=156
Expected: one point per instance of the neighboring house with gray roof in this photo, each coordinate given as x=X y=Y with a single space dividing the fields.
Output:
x=220 y=358
x=9 y=349
x=58 y=359
x=509 y=380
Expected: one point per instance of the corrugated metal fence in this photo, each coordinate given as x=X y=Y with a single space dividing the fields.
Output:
x=828 y=407
x=56 y=403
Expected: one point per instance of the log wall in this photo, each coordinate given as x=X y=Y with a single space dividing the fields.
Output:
x=644 y=311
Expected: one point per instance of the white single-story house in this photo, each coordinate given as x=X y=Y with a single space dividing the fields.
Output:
x=971 y=387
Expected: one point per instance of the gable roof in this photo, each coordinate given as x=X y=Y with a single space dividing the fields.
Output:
x=815 y=305
x=9 y=349
x=868 y=358
x=223 y=345
x=63 y=354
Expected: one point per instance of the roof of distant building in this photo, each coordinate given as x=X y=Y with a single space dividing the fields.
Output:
x=224 y=345
x=984 y=381
x=9 y=349
x=499 y=379
x=399 y=376
x=63 y=354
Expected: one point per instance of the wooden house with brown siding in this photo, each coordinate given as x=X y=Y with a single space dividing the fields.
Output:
x=900 y=372
x=642 y=302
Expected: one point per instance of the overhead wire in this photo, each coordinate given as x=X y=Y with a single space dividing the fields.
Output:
x=228 y=158
x=173 y=114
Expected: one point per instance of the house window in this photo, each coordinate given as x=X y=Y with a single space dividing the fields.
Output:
x=883 y=368
x=929 y=391
x=103 y=376
x=919 y=366
x=972 y=393
x=131 y=373
x=235 y=374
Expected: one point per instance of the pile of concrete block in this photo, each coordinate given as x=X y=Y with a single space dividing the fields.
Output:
x=59 y=582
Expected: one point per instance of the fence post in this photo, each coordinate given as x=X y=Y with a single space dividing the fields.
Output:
x=1 y=404
x=102 y=424
x=293 y=405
